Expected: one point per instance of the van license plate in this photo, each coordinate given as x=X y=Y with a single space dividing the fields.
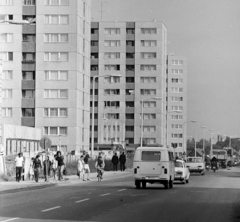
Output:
x=152 y=177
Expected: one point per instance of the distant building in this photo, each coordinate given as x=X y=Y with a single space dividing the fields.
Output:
x=177 y=103
x=138 y=52
x=46 y=76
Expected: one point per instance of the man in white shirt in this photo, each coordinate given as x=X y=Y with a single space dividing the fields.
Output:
x=19 y=164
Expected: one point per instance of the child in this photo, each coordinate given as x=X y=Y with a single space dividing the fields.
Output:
x=80 y=168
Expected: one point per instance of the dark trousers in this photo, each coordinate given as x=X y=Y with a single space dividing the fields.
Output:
x=18 y=173
x=115 y=166
x=122 y=166
x=36 y=174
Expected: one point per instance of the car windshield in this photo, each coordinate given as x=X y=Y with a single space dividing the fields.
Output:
x=178 y=164
x=194 y=160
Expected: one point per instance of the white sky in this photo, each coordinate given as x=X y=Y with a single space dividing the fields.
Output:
x=207 y=32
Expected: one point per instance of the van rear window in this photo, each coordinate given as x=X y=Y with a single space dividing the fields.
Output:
x=151 y=155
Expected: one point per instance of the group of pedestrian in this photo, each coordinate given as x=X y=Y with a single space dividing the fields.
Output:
x=83 y=166
x=116 y=160
x=56 y=166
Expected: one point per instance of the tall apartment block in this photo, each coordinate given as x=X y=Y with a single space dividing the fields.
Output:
x=138 y=52
x=177 y=103
x=46 y=76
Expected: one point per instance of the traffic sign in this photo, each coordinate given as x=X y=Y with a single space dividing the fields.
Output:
x=45 y=142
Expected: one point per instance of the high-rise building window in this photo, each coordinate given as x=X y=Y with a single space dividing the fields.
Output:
x=111 y=31
x=177 y=71
x=6 y=17
x=56 y=19
x=83 y=135
x=149 y=104
x=177 y=108
x=7 y=75
x=6 y=56
x=149 y=128
x=148 y=55
x=148 y=67
x=177 y=135
x=26 y=112
x=6 y=2
x=148 y=116
x=112 y=43
x=6 y=112
x=111 y=116
x=56 y=75
x=148 y=79
x=148 y=31
x=112 y=55
x=6 y=37
x=56 y=2
x=55 y=93
x=113 y=104
x=149 y=140
x=58 y=38
x=28 y=75
x=55 y=112
x=7 y=93
x=148 y=91
x=29 y=2
x=112 y=79
x=177 y=117
x=177 y=99
x=112 y=67
x=53 y=130
x=29 y=38
x=84 y=9
x=177 y=90
x=28 y=94
x=177 y=80
x=148 y=43
x=177 y=62
x=177 y=126
x=111 y=92
x=56 y=57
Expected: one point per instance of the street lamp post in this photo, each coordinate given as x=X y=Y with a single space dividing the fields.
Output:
x=195 y=139
x=93 y=95
x=191 y=121
x=155 y=98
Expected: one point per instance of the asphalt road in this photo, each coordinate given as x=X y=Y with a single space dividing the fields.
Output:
x=212 y=197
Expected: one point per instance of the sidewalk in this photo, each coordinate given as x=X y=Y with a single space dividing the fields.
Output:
x=13 y=186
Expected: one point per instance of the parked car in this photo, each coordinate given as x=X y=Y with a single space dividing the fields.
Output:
x=181 y=171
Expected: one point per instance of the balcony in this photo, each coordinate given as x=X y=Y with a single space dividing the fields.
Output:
x=129 y=110
x=130 y=61
x=129 y=98
x=130 y=86
x=129 y=122
x=28 y=46
x=28 y=121
x=129 y=134
x=94 y=61
x=94 y=36
x=29 y=10
x=130 y=36
x=28 y=66
x=28 y=84
x=29 y=29
x=28 y=103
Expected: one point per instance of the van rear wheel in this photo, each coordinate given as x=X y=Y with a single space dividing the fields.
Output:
x=138 y=184
x=166 y=185
x=144 y=184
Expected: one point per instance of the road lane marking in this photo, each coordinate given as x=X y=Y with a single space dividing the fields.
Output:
x=121 y=190
x=82 y=200
x=16 y=218
x=105 y=194
x=53 y=208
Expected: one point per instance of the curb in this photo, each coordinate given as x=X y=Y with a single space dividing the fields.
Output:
x=27 y=188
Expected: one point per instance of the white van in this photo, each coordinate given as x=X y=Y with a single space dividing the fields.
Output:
x=153 y=165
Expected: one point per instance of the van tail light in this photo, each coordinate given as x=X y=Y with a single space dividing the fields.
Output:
x=135 y=170
x=165 y=171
